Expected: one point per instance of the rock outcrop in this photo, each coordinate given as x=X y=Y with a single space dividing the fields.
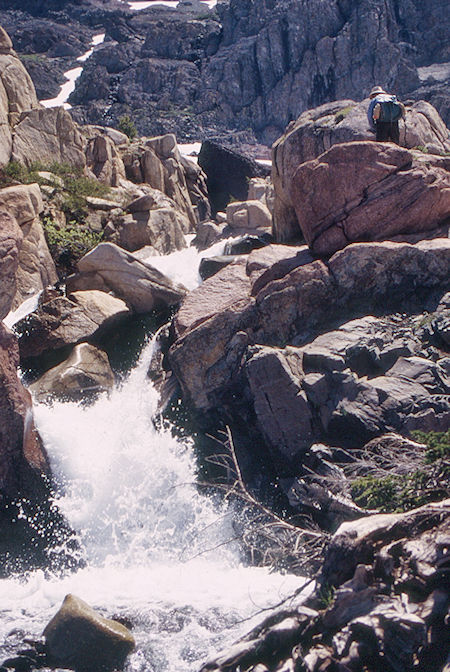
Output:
x=254 y=324
x=152 y=219
x=258 y=66
x=384 y=581
x=35 y=269
x=23 y=460
x=365 y=191
x=46 y=135
x=17 y=93
x=11 y=238
x=104 y=160
x=158 y=163
x=315 y=131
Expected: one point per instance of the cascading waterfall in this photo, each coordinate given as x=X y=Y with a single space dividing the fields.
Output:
x=156 y=550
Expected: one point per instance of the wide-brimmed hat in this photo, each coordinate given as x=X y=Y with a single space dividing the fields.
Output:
x=375 y=91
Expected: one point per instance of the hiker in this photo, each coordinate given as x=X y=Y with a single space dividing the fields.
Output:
x=383 y=114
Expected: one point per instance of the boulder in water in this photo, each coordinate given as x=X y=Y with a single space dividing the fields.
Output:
x=84 y=375
x=80 y=639
x=109 y=268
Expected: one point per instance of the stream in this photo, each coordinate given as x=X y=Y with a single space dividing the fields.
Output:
x=157 y=551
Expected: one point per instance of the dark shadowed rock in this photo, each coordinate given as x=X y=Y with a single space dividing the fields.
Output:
x=227 y=173
x=209 y=266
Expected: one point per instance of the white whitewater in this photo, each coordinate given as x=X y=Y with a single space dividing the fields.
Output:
x=157 y=550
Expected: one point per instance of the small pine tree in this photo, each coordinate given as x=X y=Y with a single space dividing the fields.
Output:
x=126 y=125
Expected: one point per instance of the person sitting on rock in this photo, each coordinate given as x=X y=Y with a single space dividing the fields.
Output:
x=383 y=114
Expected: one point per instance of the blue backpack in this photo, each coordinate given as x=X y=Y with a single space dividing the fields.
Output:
x=389 y=109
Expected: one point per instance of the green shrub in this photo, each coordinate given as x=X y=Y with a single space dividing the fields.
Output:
x=437 y=443
x=327 y=594
x=398 y=493
x=126 y=125
x=73 y=193
x=69 y=243
x=32 y=58
x=15 y=171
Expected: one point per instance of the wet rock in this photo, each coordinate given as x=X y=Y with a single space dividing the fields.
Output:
x=84 y=375
x=209 y=266
x=109 y=268
x=79 y=638
x=247 y=243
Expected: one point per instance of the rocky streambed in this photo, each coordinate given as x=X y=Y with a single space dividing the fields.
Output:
x=288 y=419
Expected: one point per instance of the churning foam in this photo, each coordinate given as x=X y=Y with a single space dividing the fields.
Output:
x=157 y=550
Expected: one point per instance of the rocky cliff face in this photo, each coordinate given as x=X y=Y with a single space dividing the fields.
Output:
x=245 y=65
